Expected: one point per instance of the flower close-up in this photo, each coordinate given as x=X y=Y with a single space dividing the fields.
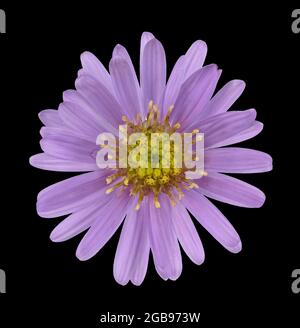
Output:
x=151 y=204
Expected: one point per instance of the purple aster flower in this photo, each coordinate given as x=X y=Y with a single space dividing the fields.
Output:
x=152 y=203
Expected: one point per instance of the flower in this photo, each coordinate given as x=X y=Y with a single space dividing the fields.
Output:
x=153 y=203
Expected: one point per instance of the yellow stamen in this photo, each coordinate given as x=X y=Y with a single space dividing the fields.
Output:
x=138 y=205
x=175 y=127
x=150 y=105
x=193 y=185
x=108 y=191
x=156 y=202
x=138 y=118
x=112 y=177
x=173 y=203
x=170 y=109
x=156 y=112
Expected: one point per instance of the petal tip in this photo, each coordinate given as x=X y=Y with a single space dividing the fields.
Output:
x=120 y=281
x=201 y=43
x=198 y=261
x=252 y=112
x=81 y=256
x=53 y=236
x=212 y=66
x=147 y=35
x=84 y=55
x=32 y=160
x=117 y=49
x=238 y=83
x=201 y=259
x=262 y=199
x=237 y=248
x=137 y=282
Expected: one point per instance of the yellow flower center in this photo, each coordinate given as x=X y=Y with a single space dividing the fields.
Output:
x=166 y=177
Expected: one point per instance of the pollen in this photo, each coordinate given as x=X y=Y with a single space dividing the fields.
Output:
x=164 y=177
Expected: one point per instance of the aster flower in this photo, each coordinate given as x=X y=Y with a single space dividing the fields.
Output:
x=153 y=204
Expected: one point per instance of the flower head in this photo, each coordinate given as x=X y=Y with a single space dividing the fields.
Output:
x=152 y=201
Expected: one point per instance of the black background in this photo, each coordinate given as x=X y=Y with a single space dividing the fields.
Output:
x=40 y=52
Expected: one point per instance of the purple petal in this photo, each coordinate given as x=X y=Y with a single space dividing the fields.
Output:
x=174 y=84
x=195 y=57
x=131 y=260
x=79 y=120
x=212 y=220
x=67 y=146
x=95 y=113
x=226 y=125
x=81 y=72
x=78 y=222
x=121 y=52
x=49 y=117
x=146 y=37
x=195 y=92
x=248 y=133
x=237 y=160
x=47 y=162
x=163 y=241
x=58 y=130
x=92 y=66
x=185 y=66
x=126 y=86
x=224 y=99
x=109 y=219
x=71 y=194
x=230 y=190
x=153 y=72
x=102 y=103
x=187 y=234
x=74 y=97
